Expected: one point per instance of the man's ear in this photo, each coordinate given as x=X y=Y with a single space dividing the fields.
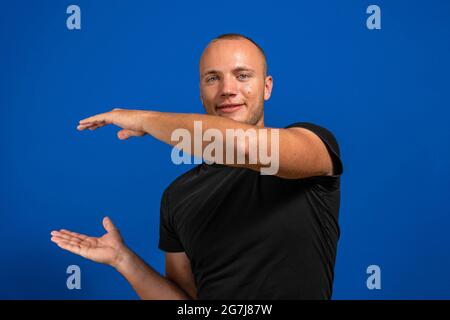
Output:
x=268 y=85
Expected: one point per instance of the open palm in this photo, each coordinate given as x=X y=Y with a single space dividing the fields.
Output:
x=106 y=249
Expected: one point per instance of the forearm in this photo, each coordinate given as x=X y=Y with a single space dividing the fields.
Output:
x=161 y=125
x=234 y=138
x=148 y=284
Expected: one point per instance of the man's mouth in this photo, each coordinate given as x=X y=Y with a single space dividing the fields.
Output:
x=229 y=108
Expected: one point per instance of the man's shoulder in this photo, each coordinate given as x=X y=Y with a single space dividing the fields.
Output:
x=311 y=126
x=328 y=138
x=324 y=133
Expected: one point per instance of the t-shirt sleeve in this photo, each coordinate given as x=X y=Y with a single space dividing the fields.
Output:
x=168 y=237
x=330 y=142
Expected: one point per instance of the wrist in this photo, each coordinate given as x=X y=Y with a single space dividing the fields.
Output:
x=149 y=118
x=123 y=260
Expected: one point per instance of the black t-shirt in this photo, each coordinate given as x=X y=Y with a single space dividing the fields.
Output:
x=253 y=236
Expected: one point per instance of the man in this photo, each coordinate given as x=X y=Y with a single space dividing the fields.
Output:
x=228 y=231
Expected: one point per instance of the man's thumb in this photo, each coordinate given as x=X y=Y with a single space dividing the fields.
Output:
x=109 y=225
x=125 y=134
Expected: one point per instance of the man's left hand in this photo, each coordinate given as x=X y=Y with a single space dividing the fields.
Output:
x=131 y=122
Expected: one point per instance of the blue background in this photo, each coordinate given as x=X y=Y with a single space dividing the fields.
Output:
x=383 y=93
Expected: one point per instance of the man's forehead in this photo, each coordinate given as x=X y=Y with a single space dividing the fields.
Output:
x=235 y=52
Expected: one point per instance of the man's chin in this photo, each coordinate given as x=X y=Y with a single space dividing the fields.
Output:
x=233 y=116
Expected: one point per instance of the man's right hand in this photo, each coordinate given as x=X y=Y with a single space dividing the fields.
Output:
x=108 y=249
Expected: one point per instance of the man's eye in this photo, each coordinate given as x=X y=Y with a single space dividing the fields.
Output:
x=243 y=76
x=209 y=79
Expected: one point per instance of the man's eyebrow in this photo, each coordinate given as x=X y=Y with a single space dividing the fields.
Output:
x=237 y=69
x=210 y=72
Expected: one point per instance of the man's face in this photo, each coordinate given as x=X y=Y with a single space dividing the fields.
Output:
x=232 y=81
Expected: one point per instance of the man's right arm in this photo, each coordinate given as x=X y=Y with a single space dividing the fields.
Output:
x=178 y=270
x=110 y=249
x=148 y=284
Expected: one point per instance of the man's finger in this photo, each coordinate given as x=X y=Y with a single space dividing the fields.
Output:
x=92 y=119
x=93 y=123
x=97 y=118
x=85 y=126
x=109 y=225
x=62 y=236
x=74 y=234
x=59 y=240
x=69 y=247
x=123 y=135
x=73 y=241
x=66 y=236
x=96 y=126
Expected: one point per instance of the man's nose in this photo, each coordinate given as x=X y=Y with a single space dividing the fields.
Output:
x=229 y=86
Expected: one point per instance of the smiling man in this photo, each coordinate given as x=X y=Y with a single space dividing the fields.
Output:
x=228 y=231
x=234 y=81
